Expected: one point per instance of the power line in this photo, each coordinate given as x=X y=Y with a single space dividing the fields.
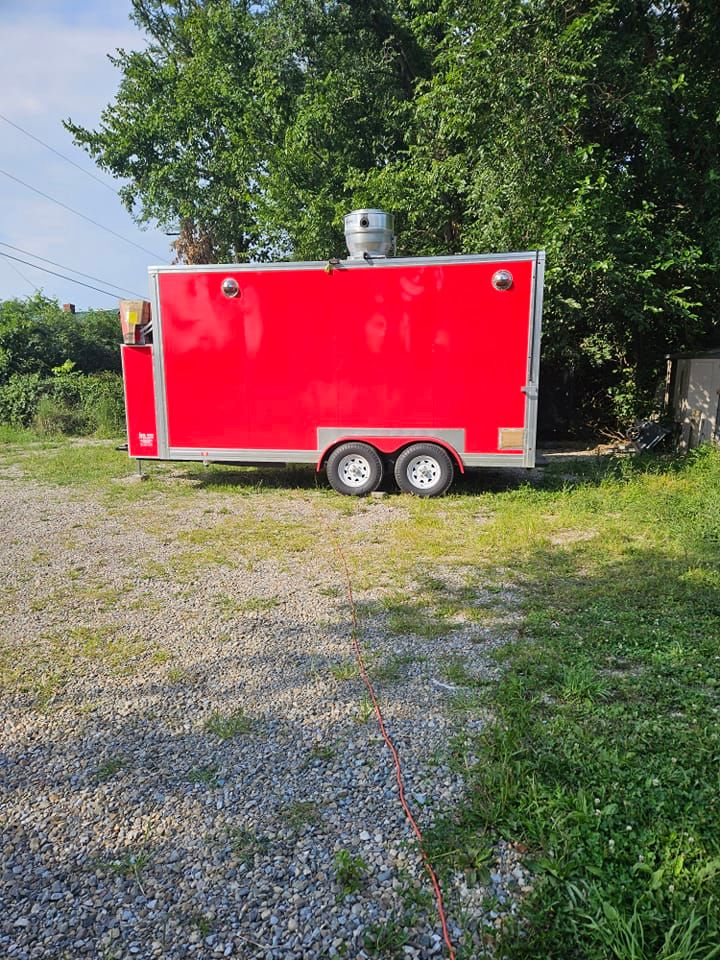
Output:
x=78 y=214
x=57 y=153
x=64 y=266
x=61 y=275
x=22 y=276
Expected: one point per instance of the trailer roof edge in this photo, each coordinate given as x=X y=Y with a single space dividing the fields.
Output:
x=349 y=263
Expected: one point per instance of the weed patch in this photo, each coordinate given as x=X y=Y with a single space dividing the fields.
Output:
x=229 y=725
x=44 y=669
x=68 y=464
x=207 y=775
x=347 y=670
x=109 y=768
x=386 y=939
x=301 y=813
x=246 y=845
x=350 y=872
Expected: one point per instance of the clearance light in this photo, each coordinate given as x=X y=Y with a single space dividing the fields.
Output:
x=502 y=279
x=230 y=287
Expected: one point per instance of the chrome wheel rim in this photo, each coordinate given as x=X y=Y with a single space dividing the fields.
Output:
x=354 y=470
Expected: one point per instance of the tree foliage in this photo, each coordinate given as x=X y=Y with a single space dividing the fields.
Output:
x=59 y=371
x=585 y=127
x=36 y=336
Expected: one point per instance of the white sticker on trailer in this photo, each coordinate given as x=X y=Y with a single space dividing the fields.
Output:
x=146 y=439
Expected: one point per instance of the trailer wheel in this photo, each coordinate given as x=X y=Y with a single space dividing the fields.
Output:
x=355 y=469
x=424 y=469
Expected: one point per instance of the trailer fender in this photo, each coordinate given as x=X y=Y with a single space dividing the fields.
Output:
x=389 y=445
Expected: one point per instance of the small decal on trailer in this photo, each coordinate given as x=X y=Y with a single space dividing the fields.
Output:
x=146 y=439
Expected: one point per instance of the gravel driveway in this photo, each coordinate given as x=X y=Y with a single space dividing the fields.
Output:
x=189 y=763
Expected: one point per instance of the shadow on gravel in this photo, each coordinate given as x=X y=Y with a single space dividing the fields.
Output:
x=226 y=477
x=229 y=477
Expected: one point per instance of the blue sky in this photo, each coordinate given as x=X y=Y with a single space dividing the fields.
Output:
x=53 y=65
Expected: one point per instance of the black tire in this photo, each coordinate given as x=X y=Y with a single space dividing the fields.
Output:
x=425 y=469
x=355 y=469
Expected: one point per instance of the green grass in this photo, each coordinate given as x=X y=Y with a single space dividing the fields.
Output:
x=457 y=671
x=364 y=710
x=131 y=864
x=109 y=768
x=89 y=595
x=245 y=844
x=248 y=539
x=387 y=669
x=46 y=667
x=207 y=775
x=301 y=813
x=259 y=604
x=320 y=751
x=17 y=435
x=346 y=670
x=415 y=616
x=65 y=463
x=386 y=940
x=229 y=725
x=603 y=758
x=204 y=924
x=178 y=675
x=465 y=702
x=392 y=668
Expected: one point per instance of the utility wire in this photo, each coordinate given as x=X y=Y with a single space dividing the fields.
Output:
x=57 y=153
x=78 y=214
x=22 y=276
x=63 y=266
x=61 y=275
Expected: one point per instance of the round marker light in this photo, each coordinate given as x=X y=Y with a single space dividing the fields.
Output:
x=502 y=279
x=230 y=287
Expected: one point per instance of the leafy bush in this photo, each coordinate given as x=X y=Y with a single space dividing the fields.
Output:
x=104 y=404
x=19 y=398
x=57 y=416
x=67 y=402
x=58 y=371
x=36 y=335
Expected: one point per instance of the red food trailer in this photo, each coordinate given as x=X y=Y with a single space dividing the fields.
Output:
x=419 y=366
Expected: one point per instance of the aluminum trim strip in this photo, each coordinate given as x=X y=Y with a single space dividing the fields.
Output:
x=453 y=436
x=344 y=264
x=125 y=399
x=161 y=420
x=494 y=460
x=533 y=367
x=312 y=456
x=258 y=456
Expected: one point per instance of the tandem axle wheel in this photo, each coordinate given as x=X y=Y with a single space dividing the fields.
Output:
x=357 y=469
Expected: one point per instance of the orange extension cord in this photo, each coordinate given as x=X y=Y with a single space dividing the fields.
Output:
x=396 y=759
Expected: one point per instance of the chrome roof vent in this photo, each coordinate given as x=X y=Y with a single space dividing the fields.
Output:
x=369 y=234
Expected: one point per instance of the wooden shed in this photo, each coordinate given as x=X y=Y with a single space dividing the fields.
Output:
x=692 y=397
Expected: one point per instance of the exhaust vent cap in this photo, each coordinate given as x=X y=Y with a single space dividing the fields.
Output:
x=369 y=233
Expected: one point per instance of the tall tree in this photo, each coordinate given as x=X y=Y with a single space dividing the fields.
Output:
x=590 y=129
x=244 y=122
x=180 y=130
x=587 y=127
